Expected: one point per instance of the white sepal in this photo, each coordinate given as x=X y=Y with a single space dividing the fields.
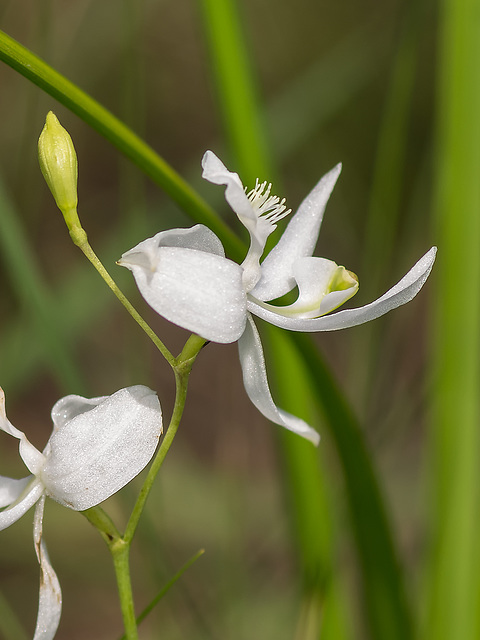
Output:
x=50 y=595
x=216 y=172
x=297 y=241
x=256 y=384
x=25 y=501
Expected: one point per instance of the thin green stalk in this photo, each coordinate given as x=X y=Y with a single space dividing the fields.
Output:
x=454 y=578
x=120 y=545
x=167 y=588
x=43 y=75
x=120 y=551
x=183 y=366
x=79 y=238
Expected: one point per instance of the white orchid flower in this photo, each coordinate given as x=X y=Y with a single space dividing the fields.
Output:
x=97 y=446
x=184 y=275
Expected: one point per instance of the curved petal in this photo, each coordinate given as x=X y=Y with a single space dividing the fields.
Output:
x=199 y=237
x=50 y=595
x=256 y=384
x=99 y=451
x=25 y=501
x=11 y=489
x=322 y=286
x=30 y=455
x=198 y=291
x=216 y=172
x=297 y=241
x=71 y=406
x=401 y=293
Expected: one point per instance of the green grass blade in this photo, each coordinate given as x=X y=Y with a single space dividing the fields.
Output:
x=455 y=428
x=385 y=204
x=237 y=91
x=103 y=121
x=385 y=597
x=149 y=608
x=386 y=605
x=309 y=499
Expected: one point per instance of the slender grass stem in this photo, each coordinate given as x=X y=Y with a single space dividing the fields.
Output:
x=79 y=238
x=167 y=588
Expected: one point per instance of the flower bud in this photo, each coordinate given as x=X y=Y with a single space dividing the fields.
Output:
x=58 y=162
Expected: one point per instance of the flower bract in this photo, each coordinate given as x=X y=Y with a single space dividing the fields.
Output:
x=96 y=447
x=184 y=275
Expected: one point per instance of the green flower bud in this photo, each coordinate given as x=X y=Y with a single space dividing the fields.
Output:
x=58 y=162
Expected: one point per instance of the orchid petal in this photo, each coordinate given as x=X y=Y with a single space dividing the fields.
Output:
x=99 y=451
x=25 y=501
x=401 y=293
x=11 y=489
x=71 y=406
x=216 y=172
x=30 y=455
x=297 y=241
x=50 y=596
x=199 y=237
x=256 y=384
x=198 y=291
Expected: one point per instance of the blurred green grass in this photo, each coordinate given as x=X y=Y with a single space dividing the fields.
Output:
x=324 y=76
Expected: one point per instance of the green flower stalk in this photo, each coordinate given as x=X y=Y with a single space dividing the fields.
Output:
x=58 y=162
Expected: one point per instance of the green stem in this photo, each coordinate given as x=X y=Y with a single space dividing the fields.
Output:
x=120 y=553
x=182 y=372
x=167 y=588
x=103 y=523
x=79 y=238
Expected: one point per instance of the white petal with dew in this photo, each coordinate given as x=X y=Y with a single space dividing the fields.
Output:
x=199 y=237
x=401 y=293
x=30 y=455
x=50 y=595
x=216 y=172
x=11 y=489
x=70 y=407
x=198 y=291
x=298 y=241
x=99 y=451
x=25 y=501
x=256 y=384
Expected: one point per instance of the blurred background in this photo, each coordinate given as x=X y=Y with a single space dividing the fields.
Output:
x=344 y=81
